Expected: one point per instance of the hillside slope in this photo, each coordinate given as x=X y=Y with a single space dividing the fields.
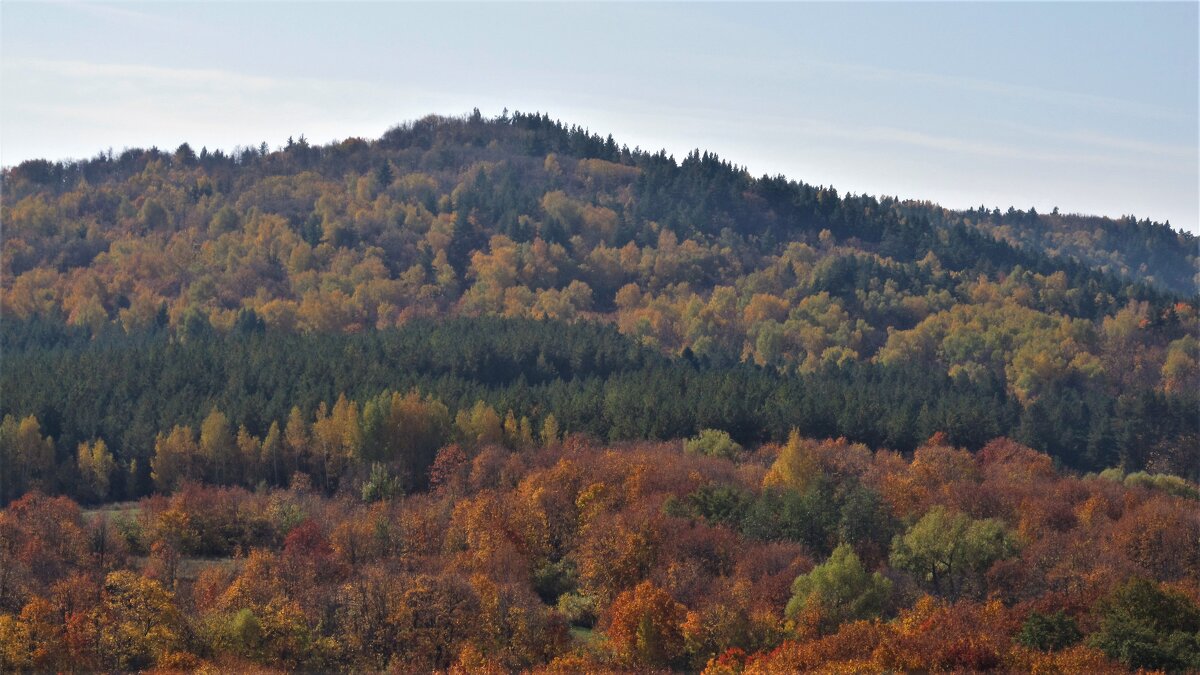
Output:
x=499 y=394
x=157 y=254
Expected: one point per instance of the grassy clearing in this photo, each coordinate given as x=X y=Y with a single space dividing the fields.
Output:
x=583 y=635
x=190 y=567
x=128 y=509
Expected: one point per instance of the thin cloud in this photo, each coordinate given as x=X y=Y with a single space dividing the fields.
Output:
x=119 y=12
x=819 y=128
x=166 y=76
x=1094 y=139
x=1003 y=89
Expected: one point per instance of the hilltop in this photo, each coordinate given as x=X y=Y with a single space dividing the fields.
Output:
x=506 y=394
x=522 y=217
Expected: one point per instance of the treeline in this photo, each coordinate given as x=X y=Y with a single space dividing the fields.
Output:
x=1128 y=245
x=522 y=218
x=131 y=392
x=573 y=556
x=696 y=196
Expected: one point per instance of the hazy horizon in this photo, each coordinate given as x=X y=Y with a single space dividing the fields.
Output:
x=1090 y=108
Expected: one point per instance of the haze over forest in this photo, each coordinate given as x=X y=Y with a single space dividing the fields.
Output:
x=501 y=391
x=1091 y=108
x=794 y=337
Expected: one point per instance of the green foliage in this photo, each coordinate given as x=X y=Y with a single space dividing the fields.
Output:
x=554 y=580
x=1145 y=626
x=839 y=590
x=718 y=504
x=381 y=485
x=712 y=443
x=585 y=377
x=866 y=520
x=949 y=551
x=820 y=517
x=580 y=610
x=240 y=633
x=809 y=518
x=1172 y=485
x=643 y=296
x=1049 y=632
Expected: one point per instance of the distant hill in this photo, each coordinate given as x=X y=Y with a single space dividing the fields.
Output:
x=867 y=317
x=700 y=195
x=1136 y=249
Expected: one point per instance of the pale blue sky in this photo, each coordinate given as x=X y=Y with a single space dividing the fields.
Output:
x=1091 y=107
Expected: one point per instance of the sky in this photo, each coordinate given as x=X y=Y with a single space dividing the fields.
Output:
x=1087 y=107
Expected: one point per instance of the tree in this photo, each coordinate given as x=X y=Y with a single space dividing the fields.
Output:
x=336 y=440
x=719 y=504
x=948 y=550
x=271 y=455
x=381 y=485
x=28 y=456
x=447 y=474
x=96 y=466
x=1144 y=626
x=153 y=216
x=247 y=467
x=218 y=446
x=432 y=617
x=712 y=443
x=837 y=591
x=810 y=518
x=865 y=521
x=796 y=467
x=185 y=156
x=644 y=626
x=140 y=623
x=175 y=460
x=1181 y=369
x=404 y=430
x=14 y=644
x=1049 y=632
x=296 y=442
x=550 y=431
x=480 y=425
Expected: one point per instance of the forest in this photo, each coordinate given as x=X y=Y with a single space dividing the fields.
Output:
x=572 y=556
x=501 y=394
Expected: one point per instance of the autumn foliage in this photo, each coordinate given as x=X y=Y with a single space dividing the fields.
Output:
x=502 y=395
x=575 y=555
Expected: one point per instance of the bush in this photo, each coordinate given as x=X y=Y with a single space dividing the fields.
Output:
x=839 y=590
x=579 y=609
x=1144 y=626
x=1049 y=632
x=712 y=443
x=381 y=485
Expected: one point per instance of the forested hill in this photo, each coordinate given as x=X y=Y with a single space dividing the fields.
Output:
x=472 y=167
x=1135 y=248
x=816 y=306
